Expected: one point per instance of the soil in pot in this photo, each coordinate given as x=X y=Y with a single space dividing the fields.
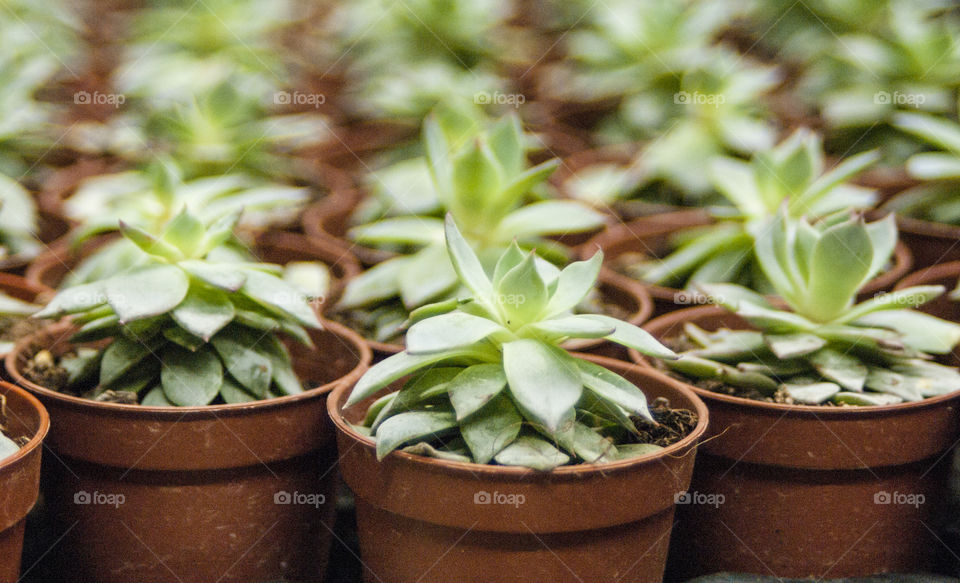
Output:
x=869 y=481
x=626 y=244
x=13 y=328
x=24 y=419
x=195 y=494
x=427 y=519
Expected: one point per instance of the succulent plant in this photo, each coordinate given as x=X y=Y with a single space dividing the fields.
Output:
x=178 y=48
x=908 y=63
x=41 y=42
x=488 y=380
x=449 y=47
x=935 y=200
x=482 y=177
x=790 y=175
x=151 y=197
x=184 y=329
x=18 y=221
x=825 y=348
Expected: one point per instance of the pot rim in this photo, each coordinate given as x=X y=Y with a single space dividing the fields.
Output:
x=363 y=352
x=37 y=439
x=819 y=410
x=923 y=275
x=680 y=448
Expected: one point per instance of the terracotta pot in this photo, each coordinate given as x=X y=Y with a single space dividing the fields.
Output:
x=427 y=519
x=803 y=491
x=239 y=492
x=328 y=221
x=50 y=268
x=626 y=294
x=651 y=235
x=19 y=475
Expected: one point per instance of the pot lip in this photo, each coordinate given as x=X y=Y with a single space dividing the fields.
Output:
x=678 y=449
x=828 y=412
x=924 y=274
x=365 y=356
x=37 y=437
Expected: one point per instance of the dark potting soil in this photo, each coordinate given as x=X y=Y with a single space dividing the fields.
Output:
x=43 y=369
x=672 y=424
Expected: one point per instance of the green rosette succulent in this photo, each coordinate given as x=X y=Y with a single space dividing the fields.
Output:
x=488 y=381
x=790 y=175
x=184 y=329
x=936 y=199
x=481 y=176
x=825 y=348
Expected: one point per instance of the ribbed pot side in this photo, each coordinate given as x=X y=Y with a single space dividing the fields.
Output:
x=228 y=493
x=805 y=491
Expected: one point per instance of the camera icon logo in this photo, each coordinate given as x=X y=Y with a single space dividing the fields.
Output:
x=681 y=97
x=82 y=497
x=682 y=498
x=482 y=497
x=282 y=497
x=882 y=498
x=82 y=97
x=882 y=98
x=282 y=98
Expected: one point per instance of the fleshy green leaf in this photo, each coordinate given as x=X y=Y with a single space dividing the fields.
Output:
x=631 y=336
x=190 y=379
x=545 y=382
x=274 y=293
x=204 y=312
x=449 y=332
x=614 y=388
x=465 y=261
x=412 y=426
x=146 y=291
x=150 y=244
x=792 y=345
x=919 y=331
x=393 y=368
x=492 y=428
x=573 y=284
x=550 y=217
x=522 y=294
x=532 y=452
x=224 y=276
x=474 y=387
x=238 y=351
x=572 y=327
x=79 y=298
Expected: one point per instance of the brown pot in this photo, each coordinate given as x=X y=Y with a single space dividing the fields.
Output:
x=626 y=294
x=424 y=519
x=50 y=228
x=19 y=475
x=239 y=492
x=812 y=491
x=651 y=235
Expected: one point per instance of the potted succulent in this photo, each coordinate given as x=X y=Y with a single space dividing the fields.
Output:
x=483 y=179
x=23 y=426
x=494 y=411
x=928 y=214
x=719 y=249
x=174 y=399
x=829 y=415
